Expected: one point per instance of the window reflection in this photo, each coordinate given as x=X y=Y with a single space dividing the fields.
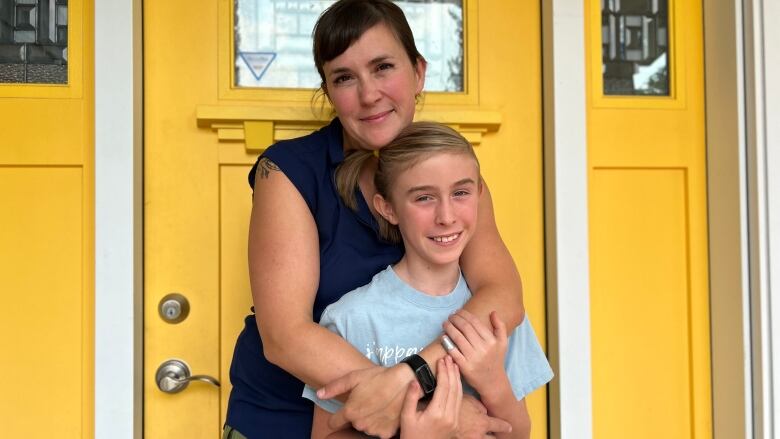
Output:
x=34 y=41
x=273 y=41
x=635 y=47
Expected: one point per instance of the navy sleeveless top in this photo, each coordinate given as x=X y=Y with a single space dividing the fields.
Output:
x=266 y=401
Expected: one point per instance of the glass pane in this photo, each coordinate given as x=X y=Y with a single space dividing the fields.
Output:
x=635 y=47
x=273 y=41
x=34 y=41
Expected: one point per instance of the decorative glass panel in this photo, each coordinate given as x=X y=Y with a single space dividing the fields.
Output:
x=273 y=42
x=34 y=41
x=635 y=47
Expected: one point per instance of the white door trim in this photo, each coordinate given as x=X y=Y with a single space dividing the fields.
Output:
x=566 y=218
x=762 y=68
x=118 y=219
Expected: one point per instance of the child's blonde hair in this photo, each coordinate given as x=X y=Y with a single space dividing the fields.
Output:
x=417 y=142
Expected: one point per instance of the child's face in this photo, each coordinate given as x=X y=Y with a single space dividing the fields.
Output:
x=434 y=204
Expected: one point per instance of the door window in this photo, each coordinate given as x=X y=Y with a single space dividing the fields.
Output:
x=272 y=41
x=34 y=41
x=635 y=47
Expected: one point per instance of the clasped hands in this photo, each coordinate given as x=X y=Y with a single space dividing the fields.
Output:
x=382 y=399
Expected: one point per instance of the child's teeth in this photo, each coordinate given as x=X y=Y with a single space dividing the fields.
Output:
x=445 y=238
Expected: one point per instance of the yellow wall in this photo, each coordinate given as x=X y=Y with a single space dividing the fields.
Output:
x=46 y=248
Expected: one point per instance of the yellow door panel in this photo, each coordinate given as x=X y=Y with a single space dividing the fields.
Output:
x=41 y=308
x=41 y=131
x=648 y=245
x=46 y=245
x=197 y=199
x=640 y=311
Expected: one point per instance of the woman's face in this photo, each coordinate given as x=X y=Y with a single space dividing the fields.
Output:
x=372 y=86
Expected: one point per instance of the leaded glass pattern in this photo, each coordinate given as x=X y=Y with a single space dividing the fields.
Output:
x=272 y=40
x=635 y=47
x=34 y=41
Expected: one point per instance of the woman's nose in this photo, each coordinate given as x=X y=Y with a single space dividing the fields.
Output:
x=369 y=91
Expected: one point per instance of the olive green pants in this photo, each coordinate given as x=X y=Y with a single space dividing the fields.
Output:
x=231 y=433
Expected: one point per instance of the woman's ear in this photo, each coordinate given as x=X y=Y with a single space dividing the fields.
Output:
x=385 y=208
x=419 y=71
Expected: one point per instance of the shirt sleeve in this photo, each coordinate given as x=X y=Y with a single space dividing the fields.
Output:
x=526 y=365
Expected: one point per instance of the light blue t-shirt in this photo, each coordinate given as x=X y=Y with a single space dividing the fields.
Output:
x=388 y=320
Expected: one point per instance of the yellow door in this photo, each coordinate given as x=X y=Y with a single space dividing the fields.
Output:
x=648 y=221
x=46 y=211
x=202 y=135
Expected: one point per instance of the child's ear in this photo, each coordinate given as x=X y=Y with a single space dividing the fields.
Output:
x=385 y=209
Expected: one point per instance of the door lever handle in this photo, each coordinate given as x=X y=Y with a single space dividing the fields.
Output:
x=173 y=376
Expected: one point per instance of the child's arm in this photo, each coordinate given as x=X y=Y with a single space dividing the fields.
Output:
x=480 y=355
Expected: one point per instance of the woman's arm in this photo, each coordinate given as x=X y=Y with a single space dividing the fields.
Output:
x=438 y=419
x=284 y=276
x=321 y=430
x=490 y=270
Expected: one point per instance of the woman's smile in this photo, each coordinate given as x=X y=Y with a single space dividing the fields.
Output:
x=377 y=117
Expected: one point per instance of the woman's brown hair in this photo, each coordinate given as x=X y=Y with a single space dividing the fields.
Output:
x=346 y=21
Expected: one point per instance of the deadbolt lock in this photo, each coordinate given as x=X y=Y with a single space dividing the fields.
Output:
x=174 y=308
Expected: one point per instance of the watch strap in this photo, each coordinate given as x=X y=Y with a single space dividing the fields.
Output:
x=423 y=374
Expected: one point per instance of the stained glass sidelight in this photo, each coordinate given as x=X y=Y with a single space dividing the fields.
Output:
x=273 y=41
x=635 y=47
x=34 y=41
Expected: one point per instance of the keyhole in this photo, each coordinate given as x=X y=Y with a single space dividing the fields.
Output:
x=174 y=308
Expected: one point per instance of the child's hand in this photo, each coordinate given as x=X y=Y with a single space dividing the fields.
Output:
x=480 y=351
x=439 y=420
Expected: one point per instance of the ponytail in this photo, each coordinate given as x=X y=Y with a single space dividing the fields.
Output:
x=347 y=175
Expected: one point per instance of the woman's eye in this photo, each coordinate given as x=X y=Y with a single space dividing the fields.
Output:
x=384 y=66
x=342 y=78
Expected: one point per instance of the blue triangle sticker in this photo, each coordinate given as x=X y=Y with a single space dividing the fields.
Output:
x=258 y=62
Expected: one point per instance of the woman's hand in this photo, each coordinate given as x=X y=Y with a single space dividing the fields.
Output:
x=376 y=396
x=480 y=351
x=475 y=423
x=439 y=420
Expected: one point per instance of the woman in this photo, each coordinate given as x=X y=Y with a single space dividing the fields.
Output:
x=307 y=248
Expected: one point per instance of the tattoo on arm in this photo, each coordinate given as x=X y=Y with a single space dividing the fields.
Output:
x=265 y=166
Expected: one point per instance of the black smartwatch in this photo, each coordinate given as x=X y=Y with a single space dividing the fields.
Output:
x=423 y=374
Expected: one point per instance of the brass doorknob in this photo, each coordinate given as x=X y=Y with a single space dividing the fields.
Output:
x=173 y=376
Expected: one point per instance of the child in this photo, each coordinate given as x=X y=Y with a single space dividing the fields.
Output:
x=428 y=186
